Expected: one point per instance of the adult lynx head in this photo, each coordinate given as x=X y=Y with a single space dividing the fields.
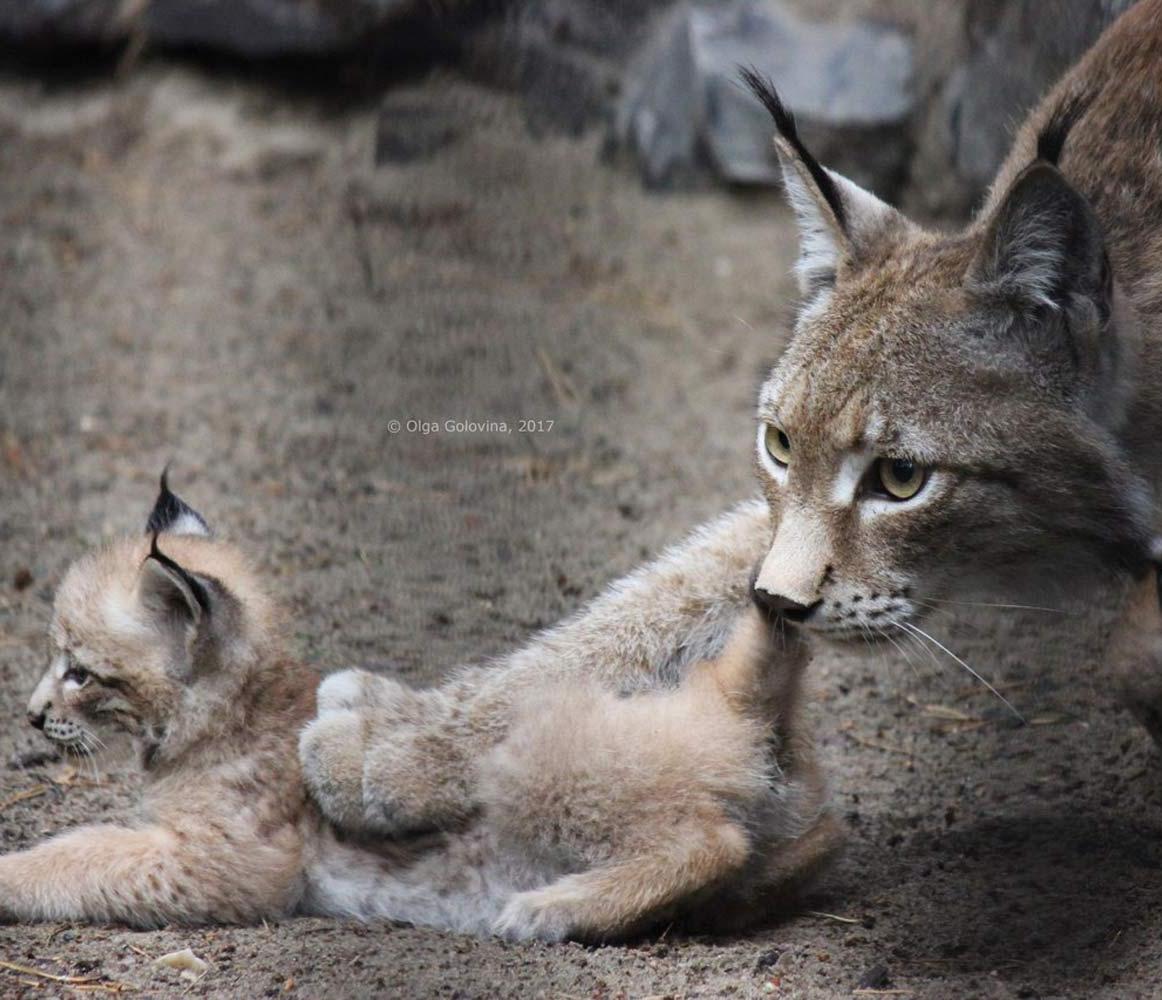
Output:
x=150 y=637
x=947 y=407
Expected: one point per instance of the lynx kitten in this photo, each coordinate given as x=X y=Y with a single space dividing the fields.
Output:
x=598 y=814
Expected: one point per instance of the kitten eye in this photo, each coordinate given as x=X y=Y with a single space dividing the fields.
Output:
x=78 y=675
x=900 y=478
x=778 y=445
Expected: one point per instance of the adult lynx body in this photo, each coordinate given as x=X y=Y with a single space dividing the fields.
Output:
x=957 y=416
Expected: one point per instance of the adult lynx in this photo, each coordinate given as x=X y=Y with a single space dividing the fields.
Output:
x=954 y=411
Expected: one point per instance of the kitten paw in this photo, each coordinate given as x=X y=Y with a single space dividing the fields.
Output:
x=342 y=690
x=355 y=777
x=331 y=751
x=539 y=915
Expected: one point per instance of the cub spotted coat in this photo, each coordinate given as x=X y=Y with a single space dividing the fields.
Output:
x=598 y=815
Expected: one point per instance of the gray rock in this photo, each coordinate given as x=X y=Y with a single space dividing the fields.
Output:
x=849 y=83
x=565 y=57
x=66 y=20
x=993 y=63
x=253 y=28
x=1020 y=49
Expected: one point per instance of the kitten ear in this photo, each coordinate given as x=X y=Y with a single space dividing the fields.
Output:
x=1043 y=247
x=172 y=515
x=170 y=594
x=838 y=220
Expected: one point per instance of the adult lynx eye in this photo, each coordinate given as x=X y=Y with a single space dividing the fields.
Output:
x=778 y=445
x=900 y=478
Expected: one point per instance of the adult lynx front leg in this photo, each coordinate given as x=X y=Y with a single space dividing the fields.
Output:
x=383 y=757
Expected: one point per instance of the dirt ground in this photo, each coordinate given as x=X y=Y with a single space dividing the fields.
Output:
x=212 y=272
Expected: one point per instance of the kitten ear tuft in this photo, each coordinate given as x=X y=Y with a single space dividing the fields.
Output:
x=172 y=515
x=171 y=593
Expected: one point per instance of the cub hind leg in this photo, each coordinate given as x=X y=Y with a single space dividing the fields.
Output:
x=618 y=897
x=423 y=748
x=386 y=759
x=631 y=808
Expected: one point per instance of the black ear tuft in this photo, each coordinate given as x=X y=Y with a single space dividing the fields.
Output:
x=764 y=90
x=173 y=515
x=1051 y=138
x=195 y=586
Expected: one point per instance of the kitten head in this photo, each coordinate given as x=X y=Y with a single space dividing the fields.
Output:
x=150 y=636
x=946 y=411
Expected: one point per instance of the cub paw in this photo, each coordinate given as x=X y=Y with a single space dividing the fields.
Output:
x=331 y=751
x=342 y=690
x=539 y=915
x=364 y=783
x=403 y=791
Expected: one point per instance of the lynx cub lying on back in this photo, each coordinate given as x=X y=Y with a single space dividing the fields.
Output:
x=598 y=814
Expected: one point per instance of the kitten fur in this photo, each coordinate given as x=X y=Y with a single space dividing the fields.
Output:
x=1016 y=361
x=597 y=815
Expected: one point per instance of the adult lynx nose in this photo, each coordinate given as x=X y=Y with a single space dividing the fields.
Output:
x=778 y=606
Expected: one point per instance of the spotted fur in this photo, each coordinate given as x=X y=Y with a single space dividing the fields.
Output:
x=596 y=815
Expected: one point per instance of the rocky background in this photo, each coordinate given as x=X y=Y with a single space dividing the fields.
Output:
x=914 y=99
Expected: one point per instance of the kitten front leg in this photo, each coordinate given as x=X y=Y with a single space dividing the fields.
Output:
x=146 y=878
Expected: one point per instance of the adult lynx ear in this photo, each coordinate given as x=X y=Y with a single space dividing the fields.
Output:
x=838 y=220
x=172 y=596
x=172 y=515
x=1043 y=247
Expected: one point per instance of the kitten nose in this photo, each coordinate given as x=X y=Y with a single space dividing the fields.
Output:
x=778 y=606
x=38 y=719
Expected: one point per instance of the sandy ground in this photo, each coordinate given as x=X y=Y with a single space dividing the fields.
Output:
x=214 y=273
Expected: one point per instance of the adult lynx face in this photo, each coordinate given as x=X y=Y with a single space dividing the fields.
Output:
x=947 y=408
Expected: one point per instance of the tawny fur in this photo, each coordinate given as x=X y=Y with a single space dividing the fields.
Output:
x=407 y=759
x=598 y=813
x=1017 y=361
x=226 y=830
x=1007 y=360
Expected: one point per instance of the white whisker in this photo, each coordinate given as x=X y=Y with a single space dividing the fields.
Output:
x=919 y=631
x=91 y=743
x=988 y=604
x=903 y=652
